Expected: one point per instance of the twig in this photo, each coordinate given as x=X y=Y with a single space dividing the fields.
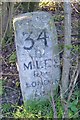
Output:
x=73 y=80
x=9 y=88
x=17 y=8
x=64 y=104
x=75 y=113
x=54 y=106
x=4 y=61
x=5 y=29
x=70 y=94
x=28 y=7
x=75 y=8
x=11 y=8
x=10 y=54
x=73 y=76
x=61 y=94
x=62 y=100
x=53 y=103
x=5 y=74
x=75 y=42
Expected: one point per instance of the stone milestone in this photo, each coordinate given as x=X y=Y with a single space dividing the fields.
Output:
x=37 y=54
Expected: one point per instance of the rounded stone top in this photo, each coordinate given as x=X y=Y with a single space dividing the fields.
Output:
x=37 y=14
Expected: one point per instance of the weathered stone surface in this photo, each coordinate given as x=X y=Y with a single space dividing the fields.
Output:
x=37 y=53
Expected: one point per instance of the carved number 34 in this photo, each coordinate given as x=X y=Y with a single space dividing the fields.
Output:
x=39 y=38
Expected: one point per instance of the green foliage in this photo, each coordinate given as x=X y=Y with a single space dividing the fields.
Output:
x=59 y=108
x=35 y=109
x=17 y=84
x=6 y=108
x=44 y=3
x=12 y=58
x=76 y=48
x=8 y=39
x=68 y=47
x=61 y=47
x=2 y=83
x=22 y=113
x=48 y=4
x=74 y=104
x=3 y=43
x=43 y=109
x=59 y=18
x=1 y=87
x=29 y=6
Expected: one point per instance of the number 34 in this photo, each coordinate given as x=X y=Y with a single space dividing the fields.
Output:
x=39 y=38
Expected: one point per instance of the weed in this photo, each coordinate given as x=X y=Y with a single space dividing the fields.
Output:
x=12 y=58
